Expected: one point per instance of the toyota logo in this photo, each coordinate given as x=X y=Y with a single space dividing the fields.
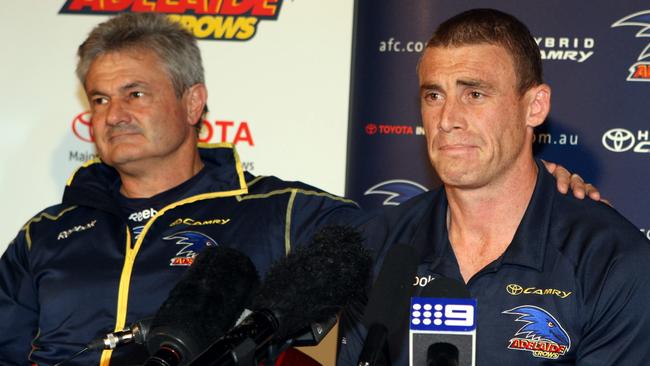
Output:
x=618 y=140
x=82 y=127
x=371 y=128
x=514 y=289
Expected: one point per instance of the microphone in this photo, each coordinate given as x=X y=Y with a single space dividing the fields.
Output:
x=442 y=354
x=443 y=325
x=207 y=300
x=316 y=332
x=391 y=291
x=137 y=332
x=309 y=285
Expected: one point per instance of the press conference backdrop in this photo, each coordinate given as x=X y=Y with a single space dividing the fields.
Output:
x=596 y=57
x=279 y=76
x=277 y=73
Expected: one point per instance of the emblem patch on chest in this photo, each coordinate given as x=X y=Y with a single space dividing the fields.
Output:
x=541 y=334
x=192 y=243
x=516 y=290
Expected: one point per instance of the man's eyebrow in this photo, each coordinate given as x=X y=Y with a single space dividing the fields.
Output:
x=132 y=85
x=475 y=83
x=125 y=87
x=430 y=86
x=472 y=83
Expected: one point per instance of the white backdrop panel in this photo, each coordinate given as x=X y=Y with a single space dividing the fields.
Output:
x=288 y=85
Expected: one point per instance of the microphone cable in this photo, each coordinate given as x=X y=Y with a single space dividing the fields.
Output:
x=72 y=357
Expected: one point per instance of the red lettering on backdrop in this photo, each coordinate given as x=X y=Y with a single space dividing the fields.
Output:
x=143 y=6
x=116 y=5
x=244 y=134
x=235 y=7
x=224 y=128
x=641 y=72
x=207 y=135
x=169 y=6
x=265 y=8
x=181 y=6
x=80 y=4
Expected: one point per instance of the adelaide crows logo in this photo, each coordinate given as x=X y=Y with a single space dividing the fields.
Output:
x=396 y=190
x=542 y=334
x=640 y=71
x=192 y=243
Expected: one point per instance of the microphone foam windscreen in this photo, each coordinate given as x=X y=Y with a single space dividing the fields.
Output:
x=314 y=282
x=207 y=300
x=391 y=292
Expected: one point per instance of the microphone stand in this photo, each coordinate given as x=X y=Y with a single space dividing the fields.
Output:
x=375 y=347
x=241 y=345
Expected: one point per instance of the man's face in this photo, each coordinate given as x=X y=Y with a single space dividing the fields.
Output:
x=136 y=116
x=474 y=118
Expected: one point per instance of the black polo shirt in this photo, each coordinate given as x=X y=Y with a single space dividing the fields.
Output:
x=572 y=288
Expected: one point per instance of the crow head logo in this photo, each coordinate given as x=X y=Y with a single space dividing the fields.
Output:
x=192 y=243
x=640 y=71
x=539 y=325
x=396 y=191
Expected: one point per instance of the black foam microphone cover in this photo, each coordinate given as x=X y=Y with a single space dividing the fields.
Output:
x=392 y=289
x=310 y=285
x=391 y=293
x=207 y=300
x=442 y=354
x=314 y=282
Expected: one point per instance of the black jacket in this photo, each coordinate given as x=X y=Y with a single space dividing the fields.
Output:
x=75 y=272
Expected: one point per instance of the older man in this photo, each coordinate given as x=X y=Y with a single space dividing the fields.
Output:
x=498 y=223
x=131 y=223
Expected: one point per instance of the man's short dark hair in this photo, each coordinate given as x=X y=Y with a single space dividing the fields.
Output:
x=494 y=27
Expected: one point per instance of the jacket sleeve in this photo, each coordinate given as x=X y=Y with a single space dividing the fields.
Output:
x=617 y=330
x=309 y=211
x=18 y=304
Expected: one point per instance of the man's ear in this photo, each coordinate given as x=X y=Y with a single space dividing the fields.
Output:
x=539 y=104
x=196 y=96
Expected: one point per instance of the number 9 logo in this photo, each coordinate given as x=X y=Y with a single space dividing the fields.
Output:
x=458 y=315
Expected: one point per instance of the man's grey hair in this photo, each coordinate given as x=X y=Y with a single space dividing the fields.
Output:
x=175 y=47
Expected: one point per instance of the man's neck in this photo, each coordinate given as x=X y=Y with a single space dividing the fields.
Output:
x=158 y=177
x=482 y=222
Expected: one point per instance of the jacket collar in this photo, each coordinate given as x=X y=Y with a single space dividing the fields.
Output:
x=92 y=184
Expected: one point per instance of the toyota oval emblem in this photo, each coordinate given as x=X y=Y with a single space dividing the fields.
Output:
x=514 y=289
x=618 y=140
x=82 y=128
x=371 y=128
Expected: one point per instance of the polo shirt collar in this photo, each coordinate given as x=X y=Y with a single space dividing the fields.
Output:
x=528 y=244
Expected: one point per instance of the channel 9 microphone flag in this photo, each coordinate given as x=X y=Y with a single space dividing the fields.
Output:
x=442 y=330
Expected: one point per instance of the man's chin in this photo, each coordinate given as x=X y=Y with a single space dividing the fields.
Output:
x=122 y=159
x=457 y=177
x=460 y=183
